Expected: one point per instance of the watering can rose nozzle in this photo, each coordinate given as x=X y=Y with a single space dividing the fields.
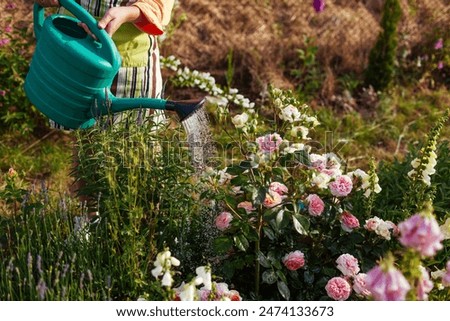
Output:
x=185 y=108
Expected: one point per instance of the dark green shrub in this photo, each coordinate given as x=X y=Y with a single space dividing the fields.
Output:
x=382 y=59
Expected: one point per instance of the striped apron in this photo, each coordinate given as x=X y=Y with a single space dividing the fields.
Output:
x=140 y=72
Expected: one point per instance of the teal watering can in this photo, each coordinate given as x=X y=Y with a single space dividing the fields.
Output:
x=71 y=74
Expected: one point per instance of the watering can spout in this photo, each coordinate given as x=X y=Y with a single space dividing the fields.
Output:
x=184 y=108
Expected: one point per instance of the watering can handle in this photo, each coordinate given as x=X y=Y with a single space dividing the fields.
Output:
x=78 y=11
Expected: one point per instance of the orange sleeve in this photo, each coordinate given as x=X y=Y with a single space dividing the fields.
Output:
x=155 y=15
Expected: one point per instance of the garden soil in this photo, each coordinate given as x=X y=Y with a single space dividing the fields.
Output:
x=263 y=37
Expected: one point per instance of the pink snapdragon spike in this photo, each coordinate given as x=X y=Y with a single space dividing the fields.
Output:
x=319 y=5
x=387 y=283
x=338 y=289
x=294 y=260
x=424 y=285
x=422 y=233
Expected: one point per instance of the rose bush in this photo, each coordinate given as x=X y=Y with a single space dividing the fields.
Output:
x=297 y=211
x=291 y=207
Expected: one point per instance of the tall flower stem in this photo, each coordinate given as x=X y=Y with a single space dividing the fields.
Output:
x=257 y=250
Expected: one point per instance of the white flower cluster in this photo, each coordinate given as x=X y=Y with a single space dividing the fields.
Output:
x=369 y=183
x=164 y=262
x=206 y=82
x=423 y=168
x=381 y=227
x=189 y=291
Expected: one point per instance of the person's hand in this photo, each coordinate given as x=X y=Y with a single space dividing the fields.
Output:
x=114 y=18
x=47 y=3
x=117 y=16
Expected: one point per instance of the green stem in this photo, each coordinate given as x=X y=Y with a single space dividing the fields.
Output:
x=257 y=250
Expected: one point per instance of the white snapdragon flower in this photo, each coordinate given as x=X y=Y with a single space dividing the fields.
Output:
x=366 y=182
x=188 y=292
x=204 y=272
x=167 y=279
x=302 y=130
x=240 y=120
x=292 y=148
x=162 y=265
x=311 y=120
x=429 y=169
x=445 y=229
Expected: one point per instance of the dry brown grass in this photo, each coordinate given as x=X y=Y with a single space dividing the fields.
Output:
x=264 y=35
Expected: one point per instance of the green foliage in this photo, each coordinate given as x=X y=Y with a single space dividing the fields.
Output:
x=16 y=112
x=142 y=184
x=140 y=180
x=382 y=59
x=308 y=73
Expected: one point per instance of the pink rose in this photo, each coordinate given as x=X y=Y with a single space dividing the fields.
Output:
x=341 y=186
x=247 y=206
x=422 y=234
x=388 y=285
x=278 y=188
x=338 y=289
x=372 y=224
x=424 y=285
x=315 y=205
x=223 y=220
x=359 y=284
x=269 y=143
x=347 y=264
x=348 y=221
x=272 y=199
x=294 y=260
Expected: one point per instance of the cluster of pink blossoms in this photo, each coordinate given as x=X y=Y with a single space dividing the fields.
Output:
x=339 y=288
x=387 y=284
x=422 y=233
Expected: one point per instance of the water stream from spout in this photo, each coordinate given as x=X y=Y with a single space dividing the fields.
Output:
x=199 y=138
